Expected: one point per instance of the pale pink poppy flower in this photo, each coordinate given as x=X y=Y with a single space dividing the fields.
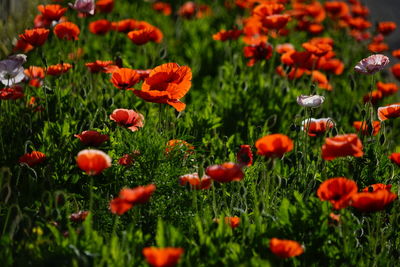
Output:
x=11 y=70
x=372 y=64
x=84 y=6
x=310 y=101
x=129 y=118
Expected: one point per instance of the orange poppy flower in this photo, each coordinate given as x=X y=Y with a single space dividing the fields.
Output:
x=372 y=201
x=226 y=172
x=274 y=145
x=396 y=70
x=321 y=80
x=389 y=112
x=395 y=158
x=342 y=146
x=367 y=128
x=161 y=7
x=177 y=144
x=92 y=138
x=233 y=222
x=317 y=49
x=338 y=191
x=23 y=46
x=143 y=36
x=58 y=69
x=67 y=31
x=167 y=83
x=129 y=118
x=137 y=195
x=267 y=9
x=93 y=161
x=359 y=23
x=245 y=156
x=36 y=75
x=119 y=206
x=51 y=12
x=188 y=10
x=258 y=52
x=35 y=37
x=227 y=35
x=105 y=6
x=334 y=65
x=101 y=66
x=374 y=97
x=162 y=257
x=100 y=27
x=386 y=27
x=277 y=21
x=396 y=53
x=285 y=248
x=378 y=47
x=33 y=158
x=337 y=9
x=15 y=92
x=124 y=78
x=376 y=187
x=317 y=127
x=125 y=25
x=387 y=88
x=359 y=10
x=283 y=48
x=195 y=182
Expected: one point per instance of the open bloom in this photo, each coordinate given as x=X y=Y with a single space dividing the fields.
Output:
x=386 y=27
x=11 y=70
x=310 y=101
x=51 y=12
x=245 y=156
x=161 y=7
x=93 y=161
x=162 y=257
x=84 y=6
x=372 y=64
x=124 y=78
x=145 y=35
x=226 y=172
x=128 y=118
x=389 y=112
x=342 y=146
x=67 y=31
x=102 y=66
x=338 y=191
x=167 y=83
x=257 y=52
x=387 y=88
x=285 y=248
x=92 y=138
x=274 y=145
x=130 y=197
x=58 y=69
x=370 y=128
x=227 y=35
x=316 y=127
x=395 y=158
x=373 y=201
x=36 y=75
x=33 y=158
x=14 y=92
x=35 y=37
x=100 y=27
x=195 y=182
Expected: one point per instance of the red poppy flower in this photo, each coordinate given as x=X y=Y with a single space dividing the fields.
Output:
x=100 y=27
x=124 y=78
x=359 y=10
x=376 y=187
x=161 y=7
x=58 y=69
x=35 y=37
x=101 y=66
x=125 y=25
x=337 y=9
x=52 y=12
x=22 y=46
x=92 y=138
x=342 y=146
x=227 y=35
x=317 y=49
x=386 y=27
x=233 y=222
x=389 y=112
x=167 y=83
x=374 y=97
x=276 y=21
x=396 y=70
x=395 y=158
x=162 y=257
x=283 y=48
x=14 y=92
x=67 y=31
x=378 y=47
x=40 y=22
x=367 y=128
x=372 y=201
x=387 y=88
x=36 y=75
x=128 y=118
x=33 y=158
x=226 y=172
x=267 y=9
x=195 y=182
x=321 y=80
x=261 y=51
x=79 y=216
x=179 y=145
x=130 y=197
x=359 y=23
x=338 y=191
x=93 y=161
x=188 y=10
x=143 y=36
x=245 y=156
x=285 y=248
x=396 y=53
x=317 y=127
x=125 y=160
x=105 y=6
x=274 y=145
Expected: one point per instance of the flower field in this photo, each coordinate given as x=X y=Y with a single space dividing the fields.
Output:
x=204 y=133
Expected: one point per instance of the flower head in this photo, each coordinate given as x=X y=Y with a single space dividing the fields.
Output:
x=311 y=101
x=373 y=201
x=285 y=248
x=372 y=64
x=92 y=138
x=338 y=191
x=274 y=145
x=342 y=146
x=129 y=197
x=162 y=257
x=226 y=172
x=84 y=6
x=316 y=127
x=35 y=37
x=389 y=112
x=51 y=12
x=93 y=161
x=67 y=31
x=124 y=78
x=11 y=70
x=245 y=156
x=33 y=158
x=195 y=182
x=129 y=118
